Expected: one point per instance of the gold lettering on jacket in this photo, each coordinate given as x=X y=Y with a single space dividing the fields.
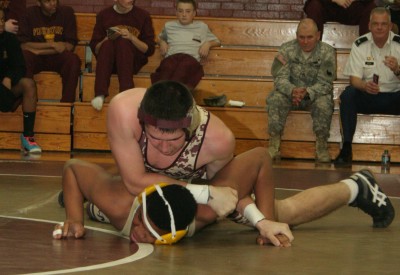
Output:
x=42 y=31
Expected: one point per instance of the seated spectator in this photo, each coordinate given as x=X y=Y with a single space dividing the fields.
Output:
x=13 y=10
x=48 y=36
x=122 y=41
x=394 y=7
x=373 y=68
x=184 y=44
x=348 y=12
x=15 y=88
x=303 y=72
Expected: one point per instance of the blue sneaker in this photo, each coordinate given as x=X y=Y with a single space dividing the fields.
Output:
x=29 y=145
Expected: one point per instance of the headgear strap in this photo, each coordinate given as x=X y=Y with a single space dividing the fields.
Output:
x=164 y=123
x=174 y=235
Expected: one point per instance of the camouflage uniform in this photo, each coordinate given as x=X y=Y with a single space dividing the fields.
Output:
x=316 y=73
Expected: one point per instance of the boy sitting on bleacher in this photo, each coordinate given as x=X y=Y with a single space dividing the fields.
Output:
x=122 y=41
x=15 y=88
x=185 y=44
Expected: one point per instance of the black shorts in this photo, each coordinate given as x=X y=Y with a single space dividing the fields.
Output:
x=8 y=101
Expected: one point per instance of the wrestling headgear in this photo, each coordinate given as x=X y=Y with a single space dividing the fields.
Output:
x=169 y=105
x=169 y=238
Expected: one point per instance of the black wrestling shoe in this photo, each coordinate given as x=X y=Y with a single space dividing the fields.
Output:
x=61 y=199
x=236 y=217
x=372 y=200
x=344 y=159
x=95 y=214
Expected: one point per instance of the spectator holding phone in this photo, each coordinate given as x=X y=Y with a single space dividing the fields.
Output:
x=122 y=40
x=373 y=68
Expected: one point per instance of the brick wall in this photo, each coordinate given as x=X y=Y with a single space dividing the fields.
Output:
x=263 y=9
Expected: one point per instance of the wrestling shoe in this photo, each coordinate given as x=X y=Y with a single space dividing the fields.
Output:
x=95 y=214
x=29 y=145
x=372 y=200
x=236 y=217
x=61 y=199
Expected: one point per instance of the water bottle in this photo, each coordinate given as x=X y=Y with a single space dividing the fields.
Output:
x=385 y=163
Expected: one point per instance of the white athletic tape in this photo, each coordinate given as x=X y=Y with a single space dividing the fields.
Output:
x=57 y=232
x=252 y=213
x=201 y=193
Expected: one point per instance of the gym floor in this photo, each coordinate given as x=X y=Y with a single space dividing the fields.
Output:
x=342 y=243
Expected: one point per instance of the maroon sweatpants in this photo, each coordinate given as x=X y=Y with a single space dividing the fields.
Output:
x=118 y=56
x=179 y=67
x=322 y=11
x=67 y=64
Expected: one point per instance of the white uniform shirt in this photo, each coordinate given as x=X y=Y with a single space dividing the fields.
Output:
x=366 y=59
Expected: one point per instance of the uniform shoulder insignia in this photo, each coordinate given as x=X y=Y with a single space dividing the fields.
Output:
x=361 y=40
x=396 y=38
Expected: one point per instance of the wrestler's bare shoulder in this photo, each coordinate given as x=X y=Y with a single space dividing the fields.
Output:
x=131 y=95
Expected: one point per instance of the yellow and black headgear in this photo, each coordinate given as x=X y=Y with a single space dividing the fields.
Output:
x=171 y=208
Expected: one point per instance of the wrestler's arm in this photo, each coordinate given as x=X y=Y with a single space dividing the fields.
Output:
x=73 y=201
x=83 y=180
x=277 y=233
x=251 y=172
x=218 y=147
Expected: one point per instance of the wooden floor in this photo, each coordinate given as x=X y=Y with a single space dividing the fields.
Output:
x=342 y=243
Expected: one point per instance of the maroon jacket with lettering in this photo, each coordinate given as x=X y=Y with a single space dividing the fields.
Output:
x=35 y=25
x=137 y=21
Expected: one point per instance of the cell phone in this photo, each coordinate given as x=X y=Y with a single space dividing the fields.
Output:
x=113 y=33
x=375 y=78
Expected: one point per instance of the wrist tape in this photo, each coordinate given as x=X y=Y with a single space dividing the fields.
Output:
x=252 y=213
x=201 y=193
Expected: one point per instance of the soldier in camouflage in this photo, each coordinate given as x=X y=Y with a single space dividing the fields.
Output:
x=303 y=72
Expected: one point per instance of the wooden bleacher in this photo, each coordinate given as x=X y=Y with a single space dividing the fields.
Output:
x=52 y=126
x=240 y=68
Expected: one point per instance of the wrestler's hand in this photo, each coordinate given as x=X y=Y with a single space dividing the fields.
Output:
x=222 y=200
x=277 y=233
x=69 y=229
